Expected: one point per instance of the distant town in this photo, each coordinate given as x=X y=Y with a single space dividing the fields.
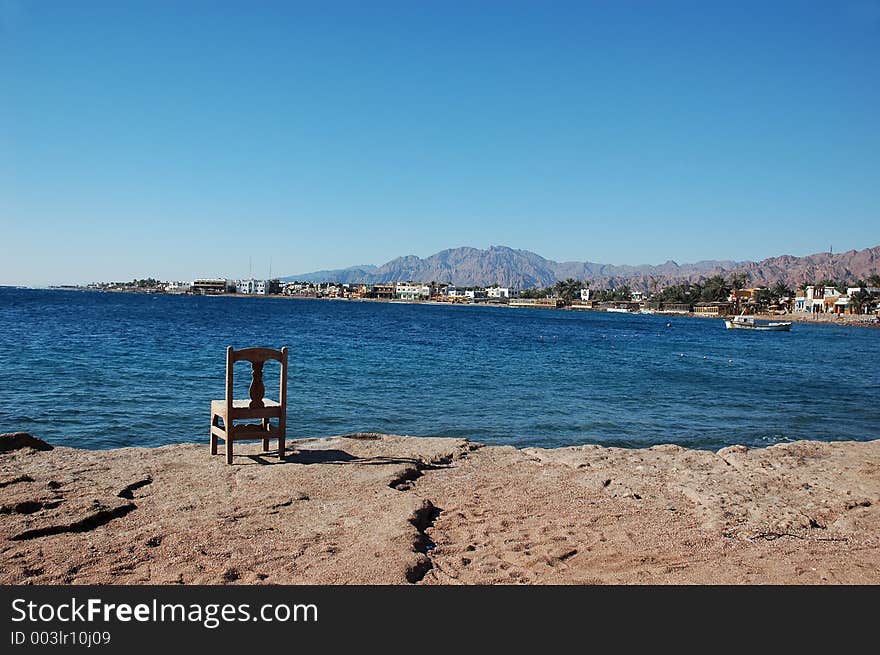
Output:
x=714 y=296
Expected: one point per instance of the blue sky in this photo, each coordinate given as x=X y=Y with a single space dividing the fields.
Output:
x=181 y=139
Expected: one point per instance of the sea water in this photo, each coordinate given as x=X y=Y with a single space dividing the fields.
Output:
x=100 y=370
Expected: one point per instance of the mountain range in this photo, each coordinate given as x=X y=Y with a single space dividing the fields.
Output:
x=522 y=269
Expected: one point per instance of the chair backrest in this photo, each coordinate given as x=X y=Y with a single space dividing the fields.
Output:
x=257 y=357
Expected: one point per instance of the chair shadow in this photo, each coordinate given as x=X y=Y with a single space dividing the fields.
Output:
x=328 y=456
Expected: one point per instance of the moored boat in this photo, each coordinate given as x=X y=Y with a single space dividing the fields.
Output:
x=750 y=323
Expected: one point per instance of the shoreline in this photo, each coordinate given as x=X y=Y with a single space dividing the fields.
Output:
x=388 y=509
x=26 y=439
x=840 y=320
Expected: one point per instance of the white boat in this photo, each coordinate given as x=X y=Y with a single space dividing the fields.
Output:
x=618 y=310
x=749 y=323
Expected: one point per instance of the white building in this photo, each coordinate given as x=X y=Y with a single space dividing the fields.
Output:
x=842 y=304
x=816 y=299
x=586 y=294
x=329 y=290
x=474 y=294
x=178 y=287
x=251 y=287
x=412 y=291
x=498 y=292
x=851 y=291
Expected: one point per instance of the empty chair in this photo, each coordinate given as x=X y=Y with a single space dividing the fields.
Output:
x=257 y=407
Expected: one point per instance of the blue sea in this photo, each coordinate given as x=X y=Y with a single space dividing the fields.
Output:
x=101 y=370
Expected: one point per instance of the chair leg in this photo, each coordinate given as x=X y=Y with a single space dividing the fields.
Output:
x=215 y=423
x=266 y=439
x=281 y=439
x=229 y=447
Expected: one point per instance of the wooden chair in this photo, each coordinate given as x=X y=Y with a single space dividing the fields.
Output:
x=256 y=407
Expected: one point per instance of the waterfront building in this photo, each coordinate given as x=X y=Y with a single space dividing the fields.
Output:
x=675 y=307
x=498 y=292
x=178 y=287
x=742 y=296
x=412 y=291
x=714 y=308
x=256 y=287
x=329 y=290
x=212 y=286
x=246 y=287
x=845 y=304
x=303 y=289
x=816 y=299
x=850 y=291
x=384 y=291
x=360 y=290
x=545 y=303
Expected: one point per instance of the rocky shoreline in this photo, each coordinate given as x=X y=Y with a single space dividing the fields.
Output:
x=385 y=509
x=844 y=320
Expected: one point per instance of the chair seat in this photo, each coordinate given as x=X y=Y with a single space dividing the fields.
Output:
x=218 y=406
x=242 y=409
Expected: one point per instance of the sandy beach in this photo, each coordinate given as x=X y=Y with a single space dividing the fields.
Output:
x=384 y=509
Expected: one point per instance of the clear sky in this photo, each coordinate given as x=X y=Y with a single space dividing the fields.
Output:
x=178 y=139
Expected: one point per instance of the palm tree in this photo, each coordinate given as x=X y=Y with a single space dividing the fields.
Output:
x=780 y=290
x=839 y=286
x=533 y=293
x=737 y=282
x=568 y=289
x=859 y=299
x=715 y=289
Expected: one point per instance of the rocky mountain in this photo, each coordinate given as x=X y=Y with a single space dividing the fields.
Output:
x=351 y=274
x=845 y=267
x=524 y=269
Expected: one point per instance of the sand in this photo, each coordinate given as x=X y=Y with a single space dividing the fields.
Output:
x=385 y=509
